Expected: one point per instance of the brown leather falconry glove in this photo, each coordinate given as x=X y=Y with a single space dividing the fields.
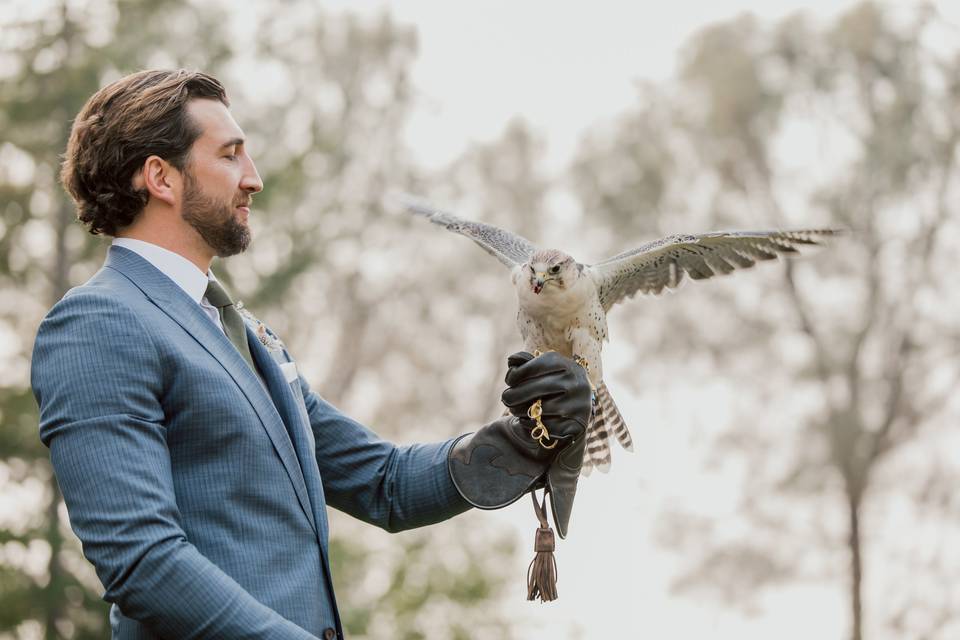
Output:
x=510 y=456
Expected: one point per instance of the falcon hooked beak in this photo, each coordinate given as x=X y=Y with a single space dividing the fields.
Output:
x=538 y=283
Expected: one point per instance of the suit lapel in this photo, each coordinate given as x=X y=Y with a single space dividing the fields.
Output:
x=296 y=420
x=175 y=303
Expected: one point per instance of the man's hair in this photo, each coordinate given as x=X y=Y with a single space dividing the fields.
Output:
x=120 y=126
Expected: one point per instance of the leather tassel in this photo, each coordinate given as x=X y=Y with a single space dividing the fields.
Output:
x=542 y=572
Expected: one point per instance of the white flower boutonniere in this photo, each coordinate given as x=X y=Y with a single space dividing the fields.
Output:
x=268 y=338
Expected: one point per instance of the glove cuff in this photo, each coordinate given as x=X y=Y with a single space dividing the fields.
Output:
x=495 y=466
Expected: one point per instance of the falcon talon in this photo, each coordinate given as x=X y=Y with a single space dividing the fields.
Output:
x=586 y=367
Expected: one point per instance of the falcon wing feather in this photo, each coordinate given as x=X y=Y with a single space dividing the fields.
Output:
x=507 y=247
x=663 y=263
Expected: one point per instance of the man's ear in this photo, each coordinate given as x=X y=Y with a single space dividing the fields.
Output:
x=160 y=179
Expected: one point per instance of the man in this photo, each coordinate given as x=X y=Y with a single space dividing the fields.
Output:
x=196 y=464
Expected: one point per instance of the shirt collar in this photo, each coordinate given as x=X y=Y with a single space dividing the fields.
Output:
x=183 y=272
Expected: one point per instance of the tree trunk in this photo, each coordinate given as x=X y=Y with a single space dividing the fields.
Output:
x=54 y=596
x=856 y=569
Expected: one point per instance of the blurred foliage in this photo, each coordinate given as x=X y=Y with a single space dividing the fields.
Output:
x=322 y=99
x=843 y=367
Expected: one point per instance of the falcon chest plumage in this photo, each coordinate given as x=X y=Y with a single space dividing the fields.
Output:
x=553 y=318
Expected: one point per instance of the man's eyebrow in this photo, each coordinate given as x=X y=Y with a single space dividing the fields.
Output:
x=232 y=142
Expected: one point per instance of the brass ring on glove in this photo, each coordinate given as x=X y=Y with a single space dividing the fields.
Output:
x=540 y=432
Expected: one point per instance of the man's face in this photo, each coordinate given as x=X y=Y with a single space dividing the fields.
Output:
x=219 y=180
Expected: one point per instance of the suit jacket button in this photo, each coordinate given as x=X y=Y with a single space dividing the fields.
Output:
x=329 y=633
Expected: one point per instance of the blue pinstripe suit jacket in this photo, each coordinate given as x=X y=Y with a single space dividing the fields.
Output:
x=198 y=491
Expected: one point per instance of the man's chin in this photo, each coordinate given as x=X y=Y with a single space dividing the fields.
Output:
x=226 y=252
x=227 y=237
x=237 y=240
x=226 y=247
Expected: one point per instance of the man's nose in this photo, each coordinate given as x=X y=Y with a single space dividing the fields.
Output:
x=251 y=182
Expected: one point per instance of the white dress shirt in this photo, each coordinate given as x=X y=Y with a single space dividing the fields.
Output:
x=184 y=273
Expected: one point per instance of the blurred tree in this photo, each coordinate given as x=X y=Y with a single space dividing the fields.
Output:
x=620 y=171
x=323 y=100
x=844 y=364
x=53 y=59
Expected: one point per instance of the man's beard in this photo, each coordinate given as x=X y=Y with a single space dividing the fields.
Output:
x=213 y=220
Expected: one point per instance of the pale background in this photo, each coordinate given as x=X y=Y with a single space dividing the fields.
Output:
x=563 y=67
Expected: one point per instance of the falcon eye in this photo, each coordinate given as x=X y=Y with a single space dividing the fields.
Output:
x=555 y=269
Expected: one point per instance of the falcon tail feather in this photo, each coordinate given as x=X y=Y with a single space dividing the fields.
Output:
x=597 y=453
x=614 y=420
x=606 y=419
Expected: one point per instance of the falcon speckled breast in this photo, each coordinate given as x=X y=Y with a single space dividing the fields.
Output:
x=563 y=304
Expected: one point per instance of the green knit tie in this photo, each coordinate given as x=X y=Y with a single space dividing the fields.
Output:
x=230 y=318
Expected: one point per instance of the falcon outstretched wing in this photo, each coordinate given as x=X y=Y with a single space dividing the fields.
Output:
x=507 y=247
x=663 y=263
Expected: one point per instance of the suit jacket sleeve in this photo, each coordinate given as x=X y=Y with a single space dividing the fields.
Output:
x=393 y=487
x=99 y=382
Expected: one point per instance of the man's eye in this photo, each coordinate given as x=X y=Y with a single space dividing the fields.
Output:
x=230 y=157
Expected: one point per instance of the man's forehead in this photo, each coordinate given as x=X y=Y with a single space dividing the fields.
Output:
x=216 y=123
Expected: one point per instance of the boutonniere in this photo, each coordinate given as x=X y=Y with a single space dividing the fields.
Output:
x=267 y=338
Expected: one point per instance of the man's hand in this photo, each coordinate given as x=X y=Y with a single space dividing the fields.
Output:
x=499 y=463
x=559 y=383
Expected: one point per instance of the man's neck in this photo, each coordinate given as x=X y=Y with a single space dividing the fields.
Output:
x=195 y=254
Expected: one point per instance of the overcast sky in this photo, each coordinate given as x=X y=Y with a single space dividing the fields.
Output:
x=562 y=66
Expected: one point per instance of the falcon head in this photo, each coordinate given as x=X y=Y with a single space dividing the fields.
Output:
x=550 y=268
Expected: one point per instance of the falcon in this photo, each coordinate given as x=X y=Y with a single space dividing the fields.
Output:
x=563 y=304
